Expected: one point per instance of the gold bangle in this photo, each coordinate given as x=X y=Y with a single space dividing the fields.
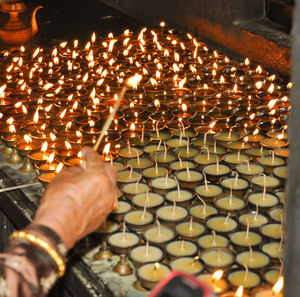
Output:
x=56 y=257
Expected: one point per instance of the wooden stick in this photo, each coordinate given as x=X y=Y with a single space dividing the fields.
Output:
x=109 y=119
x=18 y=187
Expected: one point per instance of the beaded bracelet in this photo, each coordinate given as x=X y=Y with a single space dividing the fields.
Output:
x=56 y=257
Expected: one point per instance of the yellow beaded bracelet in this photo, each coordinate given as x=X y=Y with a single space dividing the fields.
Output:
x=60 y=263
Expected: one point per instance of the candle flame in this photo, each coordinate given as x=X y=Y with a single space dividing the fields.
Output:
x=255 y=132
x=93 y=38
x=36 y=116
x=36 y=52
x=10 y=121
x=184 y=107
x=153 y=81
x=12 y=129
x=258 y=70
x=68 y=145
x=175 y=68
x=132 y=127
x=156 y=266
x=182 y=83
x=271 y=89
x=252 y=116
x=258 y=85
x=51 y=158
x=239 y=292
x=272 y=77
x=106 y=149
x=59 y=168
x=46 y=87
x=52 y=136
x=134 y=80
x=111 y=45
x=289 y=85
x=44 y=147
x=272 y=103
x=78 y=134
x=280 y=136
x=246 y=139
x=63 y=113
x=27 y=139
x=176 y=57
x=278 y=285
x=156 y=103
x=217 y=275
x=247 y=62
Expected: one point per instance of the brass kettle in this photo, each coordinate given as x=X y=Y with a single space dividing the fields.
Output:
x=15 y=32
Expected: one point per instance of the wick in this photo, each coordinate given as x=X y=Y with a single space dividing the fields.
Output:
x=207 y=150
x=111 y=159
x=182 y=245
x=261 y=149
x=218 y=165
x=205 y=181
x=230 y=195
x=214 y=237
x=180 y=161
x=123 y=230
x=143 y=133
x=248 y=165
x=188 y=171
x=256 y=212
x=239 y=155
x=174 y=208
x=138 y=157
x=129 y=147
x=167 y=177
x=191 y=223
x=204 y=204
x=178 y=186
x=180 y=137
x=205 y=135
x=219 y=255
x=248 y=227
x=215 y=146
x=156 y=129
x=281 y=224
x=281 y=242
x=181 y=133
x=273 y=155
x=147 y=195
x=246 y=272
x=227 y=218
x=131 y=170
x=147 y=248
x=236 y=178
x=156 y=166
x=137 y=182
x=265 y=184
x=183 y=128
x=165 y=154
x=158 y=227
x=251 y=252
x=159 y=144
x=229 y=134
x=144 y=211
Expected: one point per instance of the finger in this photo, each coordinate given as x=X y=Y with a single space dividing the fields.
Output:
x=90 y=156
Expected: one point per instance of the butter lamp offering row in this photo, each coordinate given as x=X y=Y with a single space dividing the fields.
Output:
x=199 y=141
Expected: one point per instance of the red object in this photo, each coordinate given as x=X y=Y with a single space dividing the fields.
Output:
x=176 y=281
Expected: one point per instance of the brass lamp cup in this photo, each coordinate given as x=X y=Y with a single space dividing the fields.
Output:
x=190 y=238
x=188 y=184
x=214 y=178
x=172 y=257
x=45 y=178
x=264 y=271
x=10 y=139
x=37 y=160
x=185 y=203
x=274 y=260
x=262 y=208
x=21 y=144
x=225 y=211
x=225 y=233
x=237 y=192
x=241 y=248
x=44 y=168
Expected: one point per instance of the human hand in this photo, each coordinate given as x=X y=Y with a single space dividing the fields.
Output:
x=78 y=200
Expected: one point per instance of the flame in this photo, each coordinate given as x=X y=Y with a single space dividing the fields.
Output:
x=239 y=292
x=184 y=107
x=111 y=45
x=175 y=68
x=63 y=113
x=193 y=69
x=217 y=275
x=78 y=134
x=59 y=168
x=247 y=62
x=132 y=127
x=258 y=85
x=35 y=53
x=52 y=136
x=212 y=125
x=156 y=103
x=246 y=139
x=134 y=80
x=12 y=129
x=234 y=88
x=153 y=81
x=68 y=145
x=10 y=121
x=272 y=103
x=44 y=147
x=166 y=53
x=106 y=149
x=24 y=109
x=51 y=158
x=27 y=139
x=18 y=104
x=91 y=123
x=222 y=79
x=176 y=57
x=85 y=77
x=271 y=88
x=255 y=132
x=36 y=116
x=258 y=70
x=289 y=85
x=156 y=266
x=272 y=77
x=93 y=38
x=205 y=87
x=278 y=285
x=47 y=86
x=279 y=136
x=182 y=83
x=252 y=116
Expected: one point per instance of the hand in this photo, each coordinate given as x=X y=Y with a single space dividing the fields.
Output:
x=78 y=200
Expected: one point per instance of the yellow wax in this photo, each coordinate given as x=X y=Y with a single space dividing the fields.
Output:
x=195 y=176
x=192 y=152
x=271 y=181
x=39 y=156
x=159 y=235
x=137 y=217
x=187 y=133
x=254 y=221
x=140 y=163
x=233 y=203
x=119 y=166
x=151 y=148
x=123 y=240
x=209 y=191
x=177 y=196
x=235 y=158
x=272 y=275
x=267 y=293
x=107 y=227
x=190 y=230
x=218 y=286
x=153 y=173
x=176 y=142
x=204 y=159
x=262 y=200
x=153 y=200
x=213 y=169
x=134 y=188
x=271 y=161
x=272 y=230
x=273 y=143
x=282 y=152
x=152 y=273
x=171 y=213
x=130 y=153
x=219 y=224
x=209 y=241
x=183 y=165
x=281 y=171
x=252 y=169
x=243 y=239
x=48 y=167
x=282 y=196
x=201 y=212
x=227 y=137
x=217 y=258
x=145 y=254
x=253 y=260
x=255 y=138
x=163 y=183
x=124 y=176
x=162 y=135
x=219 y=150
x=122 y=207
x=164 y=158
x=201 y=142
x=187 y=264
x=238 y=145
x=238 y=278
x=232 y=183
x=272 y=249
x=277 y=213
x=254 y=151
x=181 y=248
